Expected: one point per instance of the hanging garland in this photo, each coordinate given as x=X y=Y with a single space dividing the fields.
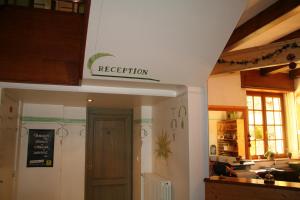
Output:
x=264 y=57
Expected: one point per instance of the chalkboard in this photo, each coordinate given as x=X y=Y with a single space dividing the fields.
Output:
x=40 y=148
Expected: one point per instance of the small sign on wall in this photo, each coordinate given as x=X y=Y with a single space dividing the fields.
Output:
x=40 y=148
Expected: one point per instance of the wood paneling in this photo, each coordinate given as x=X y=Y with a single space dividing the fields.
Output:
x=261 y=22
x=41 y=46
x=253 y=79
x=229 y=188
x=218 y=191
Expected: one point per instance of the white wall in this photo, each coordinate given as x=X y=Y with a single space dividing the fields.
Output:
x=65 y=180
x=176 y=167
x=142 y=148
x=137 y=153
x=146 y=133
x=297 y=110
x=198 y=141
x=226 y=90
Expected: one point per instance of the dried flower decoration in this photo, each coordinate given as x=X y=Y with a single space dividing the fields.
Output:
x=163 y=145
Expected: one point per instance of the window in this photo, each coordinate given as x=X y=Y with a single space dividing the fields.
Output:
x=266 y=123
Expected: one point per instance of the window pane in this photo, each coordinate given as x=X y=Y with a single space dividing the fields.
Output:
x=259 y=132
x=271 y=132
x=251 y=117
x=279 y=146
x=270 y=118
x=251 y=132
x=260 y=148
x=277 y=116
x=278 y=131
x=277 y=105
x=250 y=102
x=272 y=146
x=252 y=149
x=269 y=103
x=257 y=103
x=258 y=117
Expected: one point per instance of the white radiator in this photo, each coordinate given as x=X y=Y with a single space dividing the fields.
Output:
x=156 y=188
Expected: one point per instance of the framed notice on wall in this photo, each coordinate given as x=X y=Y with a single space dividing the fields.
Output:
x=40 y=148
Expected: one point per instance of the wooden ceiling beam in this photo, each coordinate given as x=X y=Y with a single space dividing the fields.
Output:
x=245 y=59
x=279 y=82
x=274 y=14
x=291 y=36
x=294 y=73
x=272 y=70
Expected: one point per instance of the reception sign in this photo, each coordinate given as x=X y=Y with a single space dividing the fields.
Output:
x=40 y=148
x=170 y=41
x=107 y=69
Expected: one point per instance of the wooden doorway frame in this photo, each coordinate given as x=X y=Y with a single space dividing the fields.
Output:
x=242 y=109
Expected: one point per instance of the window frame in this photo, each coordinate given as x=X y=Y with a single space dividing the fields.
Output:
x=263 y=96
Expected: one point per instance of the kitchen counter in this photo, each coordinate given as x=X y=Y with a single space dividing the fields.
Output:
x=223 y=188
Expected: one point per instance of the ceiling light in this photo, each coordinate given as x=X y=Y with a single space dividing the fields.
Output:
x=90 y=100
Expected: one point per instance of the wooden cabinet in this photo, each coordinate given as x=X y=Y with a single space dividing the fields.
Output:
x=230 y=137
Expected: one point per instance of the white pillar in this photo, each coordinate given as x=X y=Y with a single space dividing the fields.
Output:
x=198 y=141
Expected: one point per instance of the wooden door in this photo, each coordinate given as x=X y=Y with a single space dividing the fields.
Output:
x=109 y=155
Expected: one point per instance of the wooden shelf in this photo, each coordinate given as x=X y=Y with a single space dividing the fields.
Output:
x=227 y=138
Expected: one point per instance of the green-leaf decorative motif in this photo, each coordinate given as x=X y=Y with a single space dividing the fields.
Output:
x=93 y=58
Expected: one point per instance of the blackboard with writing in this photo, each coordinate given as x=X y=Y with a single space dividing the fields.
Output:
x=40 y=148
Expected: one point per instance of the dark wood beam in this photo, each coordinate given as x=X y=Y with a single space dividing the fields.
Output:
x=261 y=22
x=272 y=70
x=253 y=53
x=294 y=73
x=253 y=80
x=293 y=35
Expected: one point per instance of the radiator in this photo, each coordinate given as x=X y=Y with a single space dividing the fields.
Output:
x=156 y=188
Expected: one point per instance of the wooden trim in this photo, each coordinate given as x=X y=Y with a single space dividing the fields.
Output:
x=279 y=82
x=227 y=108
x=263 y=21
x=87 y=7
x=263 y=95
x=283 y=185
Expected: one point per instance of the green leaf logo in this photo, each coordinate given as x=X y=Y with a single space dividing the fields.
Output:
x=93 y=58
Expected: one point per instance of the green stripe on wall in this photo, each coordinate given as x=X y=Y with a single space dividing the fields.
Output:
x=71 y=121
x=52 y=120
x=143 y=121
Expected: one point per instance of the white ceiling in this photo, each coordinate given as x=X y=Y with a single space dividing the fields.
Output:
x=177 y=41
